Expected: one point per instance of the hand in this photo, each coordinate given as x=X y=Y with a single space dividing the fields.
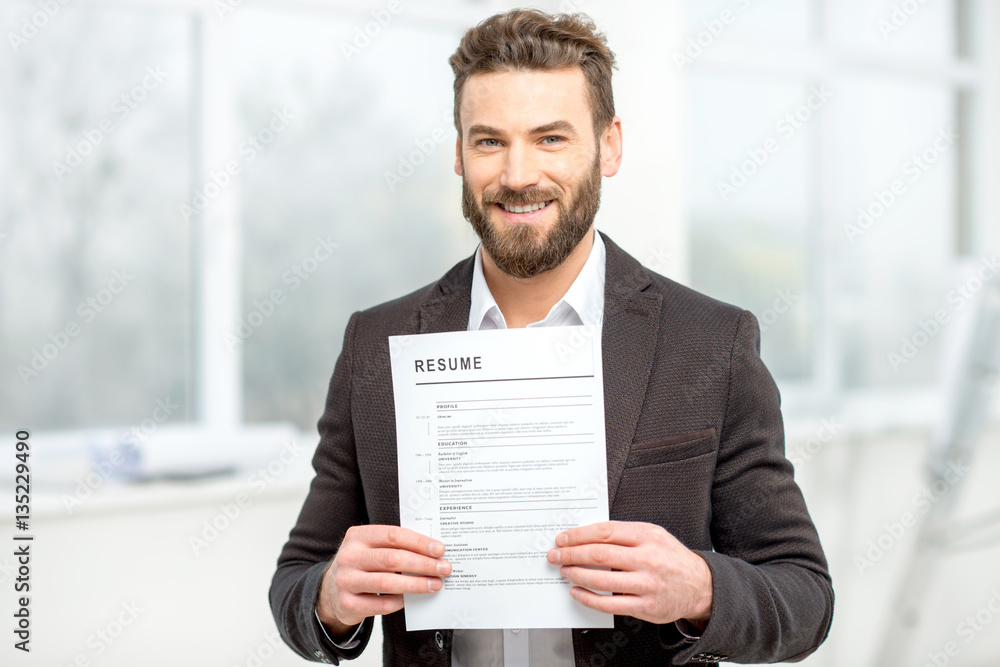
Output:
x=657 y=578
x=365 y=577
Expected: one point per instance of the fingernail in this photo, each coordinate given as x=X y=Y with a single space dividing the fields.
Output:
x=553 y=555
x=444 y=567
x=434 y=584
x=562 y=572
x=561 y=539
x=437 y=548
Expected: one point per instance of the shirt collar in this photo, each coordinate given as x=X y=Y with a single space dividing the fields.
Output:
x=583 y=302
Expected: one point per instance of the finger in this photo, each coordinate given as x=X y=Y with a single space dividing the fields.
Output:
x=388 y=583
x=396 y=537
x=398 y=560
x=599 y=555
x=621 y=605
x=629 y=583
x=626 y=533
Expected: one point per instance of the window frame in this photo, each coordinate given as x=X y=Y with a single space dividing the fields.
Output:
x=970 y=74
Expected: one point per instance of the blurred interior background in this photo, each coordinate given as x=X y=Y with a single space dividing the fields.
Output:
x=196 y=195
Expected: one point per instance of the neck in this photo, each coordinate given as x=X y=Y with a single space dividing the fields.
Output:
x=526 y=300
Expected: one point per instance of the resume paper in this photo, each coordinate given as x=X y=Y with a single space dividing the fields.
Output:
x=500 y=445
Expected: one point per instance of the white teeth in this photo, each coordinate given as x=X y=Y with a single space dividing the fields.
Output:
x=525 y=209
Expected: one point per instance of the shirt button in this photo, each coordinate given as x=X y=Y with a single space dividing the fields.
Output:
x=439 y=640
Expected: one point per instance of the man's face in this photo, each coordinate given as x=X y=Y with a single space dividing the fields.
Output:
x=531 y=167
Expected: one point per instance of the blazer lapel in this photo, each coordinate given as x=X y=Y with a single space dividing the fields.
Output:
x=447 y=309
x=628 y=342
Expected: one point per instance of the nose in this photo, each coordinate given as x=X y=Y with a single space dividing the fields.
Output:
x=521 y=168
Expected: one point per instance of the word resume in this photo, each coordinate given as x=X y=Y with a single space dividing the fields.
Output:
x=500 y=447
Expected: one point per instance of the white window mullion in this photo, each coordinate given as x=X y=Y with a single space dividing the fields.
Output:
x=220 y=404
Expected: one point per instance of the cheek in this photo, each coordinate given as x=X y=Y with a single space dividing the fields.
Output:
x=569 y=171
x=480 y=176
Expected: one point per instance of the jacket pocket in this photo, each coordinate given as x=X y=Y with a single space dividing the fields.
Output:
x=675 y=448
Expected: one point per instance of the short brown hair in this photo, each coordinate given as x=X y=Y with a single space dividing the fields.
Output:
x=529 y=39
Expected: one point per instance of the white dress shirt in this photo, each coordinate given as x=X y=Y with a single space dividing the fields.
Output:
x=583 y=304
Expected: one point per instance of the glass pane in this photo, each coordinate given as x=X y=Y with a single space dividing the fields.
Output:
x=367 y=164
x=94 y=268
x=749 y=196
x=749 y=20
x=910 y=28
x=895 y=153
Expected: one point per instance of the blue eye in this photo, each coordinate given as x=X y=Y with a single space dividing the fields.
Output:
x=546 y=139
x=485 y=141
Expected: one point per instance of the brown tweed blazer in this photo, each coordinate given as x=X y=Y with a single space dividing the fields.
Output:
x=695 y=444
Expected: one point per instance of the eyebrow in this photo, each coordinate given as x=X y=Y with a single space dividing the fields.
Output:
x=555 y=126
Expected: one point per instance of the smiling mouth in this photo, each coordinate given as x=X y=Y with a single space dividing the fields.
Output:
x=526 y=208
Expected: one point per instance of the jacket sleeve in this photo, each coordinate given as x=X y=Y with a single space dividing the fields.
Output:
x=335 y=502
x=773 y=596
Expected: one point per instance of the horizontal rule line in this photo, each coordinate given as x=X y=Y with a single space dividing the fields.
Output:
x=517 y=407
x=527 y=398
x=557 y=377
x=528 y=509
x=494 y=502
x=452 y=448
x=501 y=437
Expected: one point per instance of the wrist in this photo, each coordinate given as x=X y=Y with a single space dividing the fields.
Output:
x=325 y=612
x=701 y=610
x=334 y=627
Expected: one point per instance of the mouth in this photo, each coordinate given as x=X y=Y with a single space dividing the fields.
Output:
x=524 y=211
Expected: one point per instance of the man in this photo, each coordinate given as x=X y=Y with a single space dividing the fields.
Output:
x=712 y=552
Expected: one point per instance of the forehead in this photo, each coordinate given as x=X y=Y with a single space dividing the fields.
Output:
x=520 y=100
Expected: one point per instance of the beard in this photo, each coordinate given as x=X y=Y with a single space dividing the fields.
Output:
x=522 y=250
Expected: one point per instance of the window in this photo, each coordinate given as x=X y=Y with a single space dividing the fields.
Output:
x=827 y=184
x=95 y=268
x=203 y=245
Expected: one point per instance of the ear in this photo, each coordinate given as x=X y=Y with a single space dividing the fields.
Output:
x=611 y=147
x=458 y=156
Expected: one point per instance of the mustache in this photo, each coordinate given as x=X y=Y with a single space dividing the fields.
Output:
x=519 y=197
